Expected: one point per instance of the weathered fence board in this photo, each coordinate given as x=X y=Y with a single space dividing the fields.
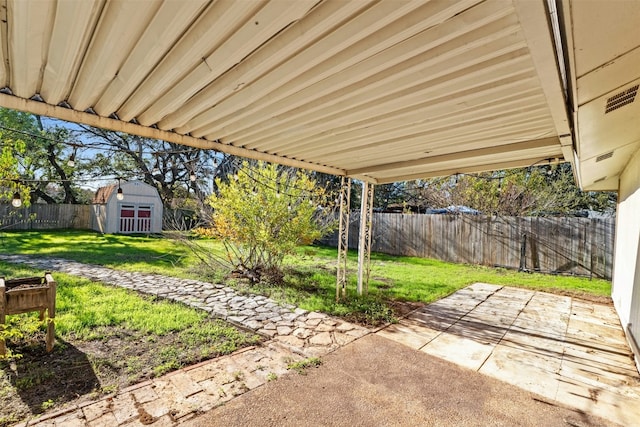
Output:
x=559 y=245
x=43 y=217
x=582 y=246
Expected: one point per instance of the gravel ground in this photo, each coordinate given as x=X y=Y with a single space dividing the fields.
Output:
x=377 y=382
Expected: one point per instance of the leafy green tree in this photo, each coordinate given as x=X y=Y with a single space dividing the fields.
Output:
x=10 y=171
x=43 y=164
x=388 y=194
x=541 y=190
x=567 y=197
x=182 y=175
x=264 y=212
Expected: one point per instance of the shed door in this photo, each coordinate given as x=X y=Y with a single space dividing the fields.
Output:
x=144 y=219
x=135 y=218
x=127 y=219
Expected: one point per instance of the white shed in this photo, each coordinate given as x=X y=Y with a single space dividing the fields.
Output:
x=139 y=211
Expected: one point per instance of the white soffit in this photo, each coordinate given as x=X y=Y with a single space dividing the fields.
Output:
x=603 y=41
x=382 y=91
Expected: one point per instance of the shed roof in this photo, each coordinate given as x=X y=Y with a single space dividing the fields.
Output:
x=132 y=188
x=103 y=193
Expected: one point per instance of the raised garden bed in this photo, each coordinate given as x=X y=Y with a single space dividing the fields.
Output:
x=29 y=294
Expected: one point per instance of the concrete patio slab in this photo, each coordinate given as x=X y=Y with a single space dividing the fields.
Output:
x=465 y=352
x=485 y=314
x=567 y=350
x=479 y=331
x=607 y=404
x=597 y=357
x=530 y=371
x=600 y=335
x=608 y=378
x=377 y=382
x=411 y=333
x=537 y=343
x=438 y=318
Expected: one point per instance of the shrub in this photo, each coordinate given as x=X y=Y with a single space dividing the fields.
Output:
x=263 y=213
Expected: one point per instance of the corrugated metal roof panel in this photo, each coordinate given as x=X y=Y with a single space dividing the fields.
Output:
x=328 y=85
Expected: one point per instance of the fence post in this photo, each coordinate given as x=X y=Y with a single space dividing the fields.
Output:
x=523 y=253
x=593 y=254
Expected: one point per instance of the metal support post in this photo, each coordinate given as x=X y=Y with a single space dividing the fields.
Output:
x=364 y=244
x=343 y=238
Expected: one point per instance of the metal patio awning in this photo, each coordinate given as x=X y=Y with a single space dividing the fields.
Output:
x=378 y=90
x=381 y=91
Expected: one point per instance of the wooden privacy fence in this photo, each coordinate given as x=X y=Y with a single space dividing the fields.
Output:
x=580 y=246
x=42 y=217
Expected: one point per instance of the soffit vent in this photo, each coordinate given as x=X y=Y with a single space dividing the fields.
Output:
x=604 y=156
x=621 y=99
x=600 y=179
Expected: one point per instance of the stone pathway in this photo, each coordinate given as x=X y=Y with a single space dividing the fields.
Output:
x=178 y=396
x=293 y=334
x=302 y=332
x=565 y=350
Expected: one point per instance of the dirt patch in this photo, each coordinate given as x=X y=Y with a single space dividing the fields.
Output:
x=377 y=314
x=79 y=370
x=598 y=299
x=402 y=308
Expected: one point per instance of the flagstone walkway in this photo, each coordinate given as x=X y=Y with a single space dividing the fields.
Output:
x=293 y=334
x=302 y=332
x=564 y=350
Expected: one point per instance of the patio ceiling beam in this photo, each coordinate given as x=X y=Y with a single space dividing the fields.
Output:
x=440 y=134
x=489 y=151
x=415 y=146
x=536 y=161
x=40 y=108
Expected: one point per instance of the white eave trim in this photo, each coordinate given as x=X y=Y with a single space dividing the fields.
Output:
x=533 y=17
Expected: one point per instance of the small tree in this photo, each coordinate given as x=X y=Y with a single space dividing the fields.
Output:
x=263 y=212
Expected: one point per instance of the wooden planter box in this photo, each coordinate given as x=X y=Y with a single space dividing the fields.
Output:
x=29 y=294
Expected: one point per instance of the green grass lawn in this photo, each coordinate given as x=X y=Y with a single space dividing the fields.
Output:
x=106 y=338
x=310 y=275
x=134 y=253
